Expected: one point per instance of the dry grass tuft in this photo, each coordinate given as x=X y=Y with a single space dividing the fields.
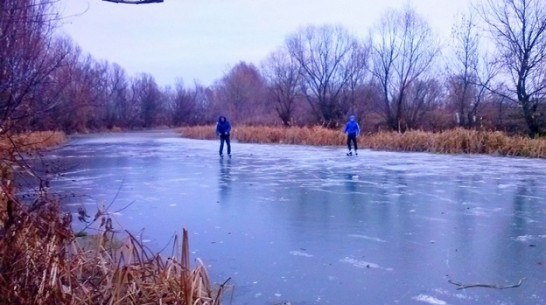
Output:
x=41 y=262
x=30 y=141
x=450 y=141
x=458 y=141
x=315 y=135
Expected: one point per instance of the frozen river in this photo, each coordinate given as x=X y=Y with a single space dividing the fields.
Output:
x=308 y=225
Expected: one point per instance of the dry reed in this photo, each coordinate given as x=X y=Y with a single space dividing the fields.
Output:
x=315 y=135
x=450 y=141
x=41 y=262
x=30 y=141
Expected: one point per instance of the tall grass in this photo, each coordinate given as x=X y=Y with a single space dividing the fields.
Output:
x=450 y=141
x=315 y=135
x=458 y=141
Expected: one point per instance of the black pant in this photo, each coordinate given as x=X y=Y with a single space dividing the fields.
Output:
x=225 y=137
x=351 y=137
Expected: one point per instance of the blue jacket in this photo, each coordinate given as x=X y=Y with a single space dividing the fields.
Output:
x=222 y=126
x=352 y=128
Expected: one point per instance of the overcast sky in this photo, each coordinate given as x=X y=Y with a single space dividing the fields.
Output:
x=201 y=39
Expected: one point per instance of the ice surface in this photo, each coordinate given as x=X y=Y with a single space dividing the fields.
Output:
x=309 y=225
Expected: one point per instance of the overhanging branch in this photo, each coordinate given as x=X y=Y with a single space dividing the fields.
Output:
x=135 y=1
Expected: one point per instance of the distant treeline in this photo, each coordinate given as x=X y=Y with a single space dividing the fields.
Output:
x=397 y=78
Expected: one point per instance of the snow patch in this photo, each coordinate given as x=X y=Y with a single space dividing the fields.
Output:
x=300 y=253
x=363 y=264
x=429 y=299
x=525 y=238
x=368 y=237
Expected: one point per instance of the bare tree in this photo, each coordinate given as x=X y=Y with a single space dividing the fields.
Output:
x=470 y=75
x=403 y=50
x=518 y=28
x=240 y=94
x=464 y=67
x=148 y=97
x=423 y=96
x=184 y=104
x=330 y=60
x=117 y=108
x=283 y=76
x=27 y=59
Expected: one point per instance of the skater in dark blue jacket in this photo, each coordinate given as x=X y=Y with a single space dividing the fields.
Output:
x=352 y=130
x=223 y=129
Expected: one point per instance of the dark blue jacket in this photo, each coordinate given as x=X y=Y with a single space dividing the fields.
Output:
x=222 y=126
x=352 y=128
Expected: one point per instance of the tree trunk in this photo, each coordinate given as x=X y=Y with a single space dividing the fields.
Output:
x=530 y=119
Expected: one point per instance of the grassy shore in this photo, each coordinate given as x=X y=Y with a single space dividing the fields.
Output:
x=452 y=141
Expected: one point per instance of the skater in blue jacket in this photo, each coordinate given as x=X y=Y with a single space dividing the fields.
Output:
x=222 y=130
x=352 y=130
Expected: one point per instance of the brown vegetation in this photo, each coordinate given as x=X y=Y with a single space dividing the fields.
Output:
x=12 y=146
x=458 y=141
x=30 y=141
x=261 y=134
x=42 y=262
x=450 y=141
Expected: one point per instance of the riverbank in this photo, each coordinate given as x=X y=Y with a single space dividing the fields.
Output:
x=454 y=141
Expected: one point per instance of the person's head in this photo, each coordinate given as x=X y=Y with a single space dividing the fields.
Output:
x=352 y=118
x=221 y=119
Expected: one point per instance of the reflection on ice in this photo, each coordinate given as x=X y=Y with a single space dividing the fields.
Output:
x=316 y=227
